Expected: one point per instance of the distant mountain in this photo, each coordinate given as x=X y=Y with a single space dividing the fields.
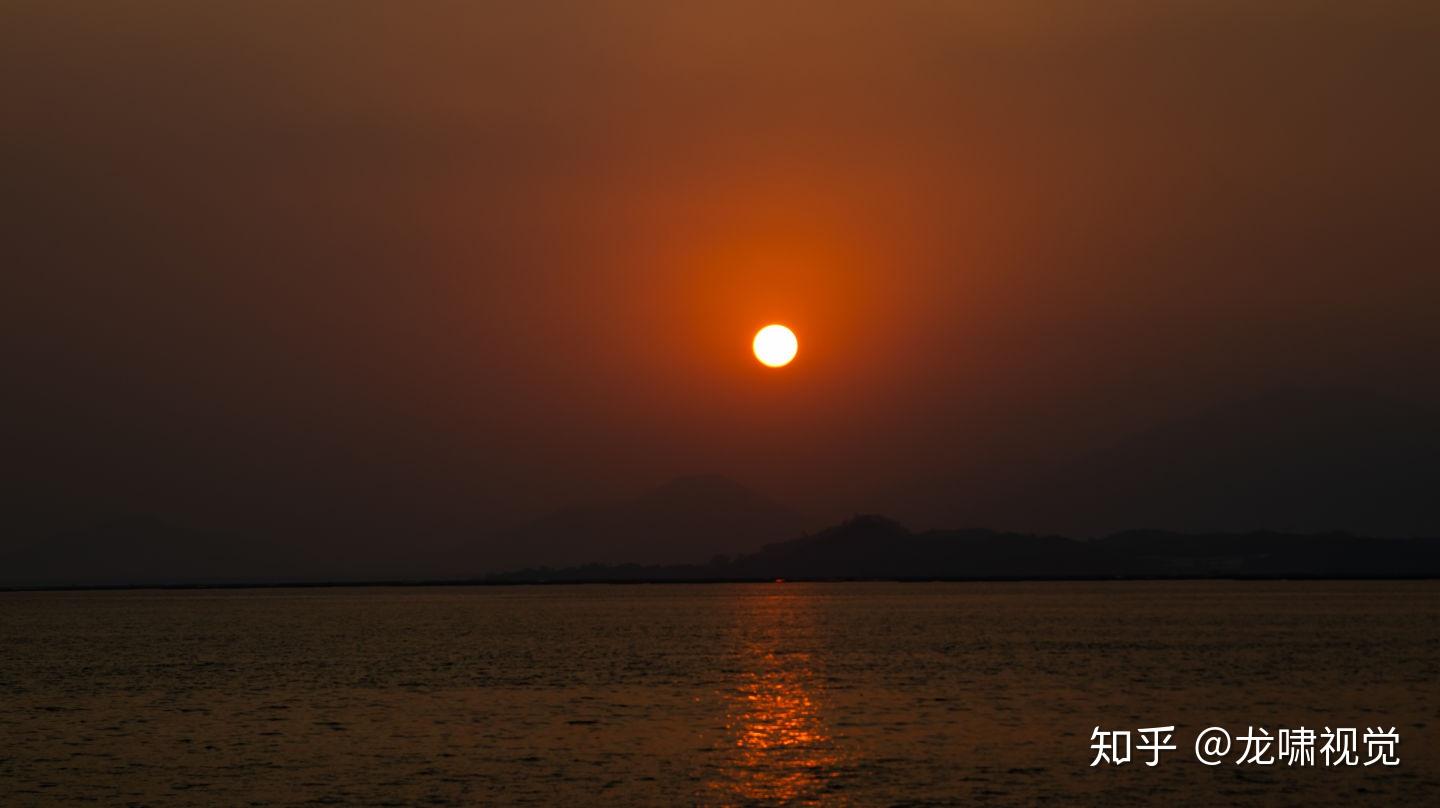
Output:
x=1292 y=460
x=687 y=518
x=146 y=551
x=873 y=547
x=1263 y=471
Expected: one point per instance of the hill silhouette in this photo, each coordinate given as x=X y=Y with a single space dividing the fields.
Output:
x=1258 y=486
x=146 y=551
x=874 y=547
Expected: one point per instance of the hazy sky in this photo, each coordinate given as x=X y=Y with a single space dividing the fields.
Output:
x=423 y=266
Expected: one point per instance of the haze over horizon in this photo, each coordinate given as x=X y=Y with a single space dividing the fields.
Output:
x=354 y=278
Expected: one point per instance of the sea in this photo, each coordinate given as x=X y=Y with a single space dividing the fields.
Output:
x=719 y=694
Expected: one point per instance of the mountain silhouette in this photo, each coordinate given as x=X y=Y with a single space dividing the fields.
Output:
x=1238 y=479
x=1294 y=460
x=686 y=518
x=874 y=547
x=147 y=551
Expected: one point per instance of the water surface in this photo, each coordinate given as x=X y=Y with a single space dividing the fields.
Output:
x=708 y=694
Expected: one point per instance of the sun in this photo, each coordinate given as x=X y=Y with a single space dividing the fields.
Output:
x=775 y=346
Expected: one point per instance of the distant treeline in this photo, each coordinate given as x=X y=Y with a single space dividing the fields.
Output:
x=873 y=547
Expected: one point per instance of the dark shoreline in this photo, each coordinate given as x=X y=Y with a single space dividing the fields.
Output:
x=400 y=584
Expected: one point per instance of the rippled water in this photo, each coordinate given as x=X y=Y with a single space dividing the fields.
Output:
x=725 y=694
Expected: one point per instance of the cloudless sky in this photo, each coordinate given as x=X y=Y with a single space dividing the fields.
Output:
x=425 y=266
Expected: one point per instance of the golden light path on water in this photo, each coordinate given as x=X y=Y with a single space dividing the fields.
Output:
x=784 y=749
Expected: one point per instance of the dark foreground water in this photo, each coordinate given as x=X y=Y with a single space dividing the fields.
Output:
x=865 y=694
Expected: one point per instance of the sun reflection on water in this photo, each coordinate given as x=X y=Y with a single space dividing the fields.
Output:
x=782 y=751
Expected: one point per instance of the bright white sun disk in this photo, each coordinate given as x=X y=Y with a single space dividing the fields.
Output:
x=775 y=346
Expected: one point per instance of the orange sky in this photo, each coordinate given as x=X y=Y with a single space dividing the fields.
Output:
x=480 y=260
